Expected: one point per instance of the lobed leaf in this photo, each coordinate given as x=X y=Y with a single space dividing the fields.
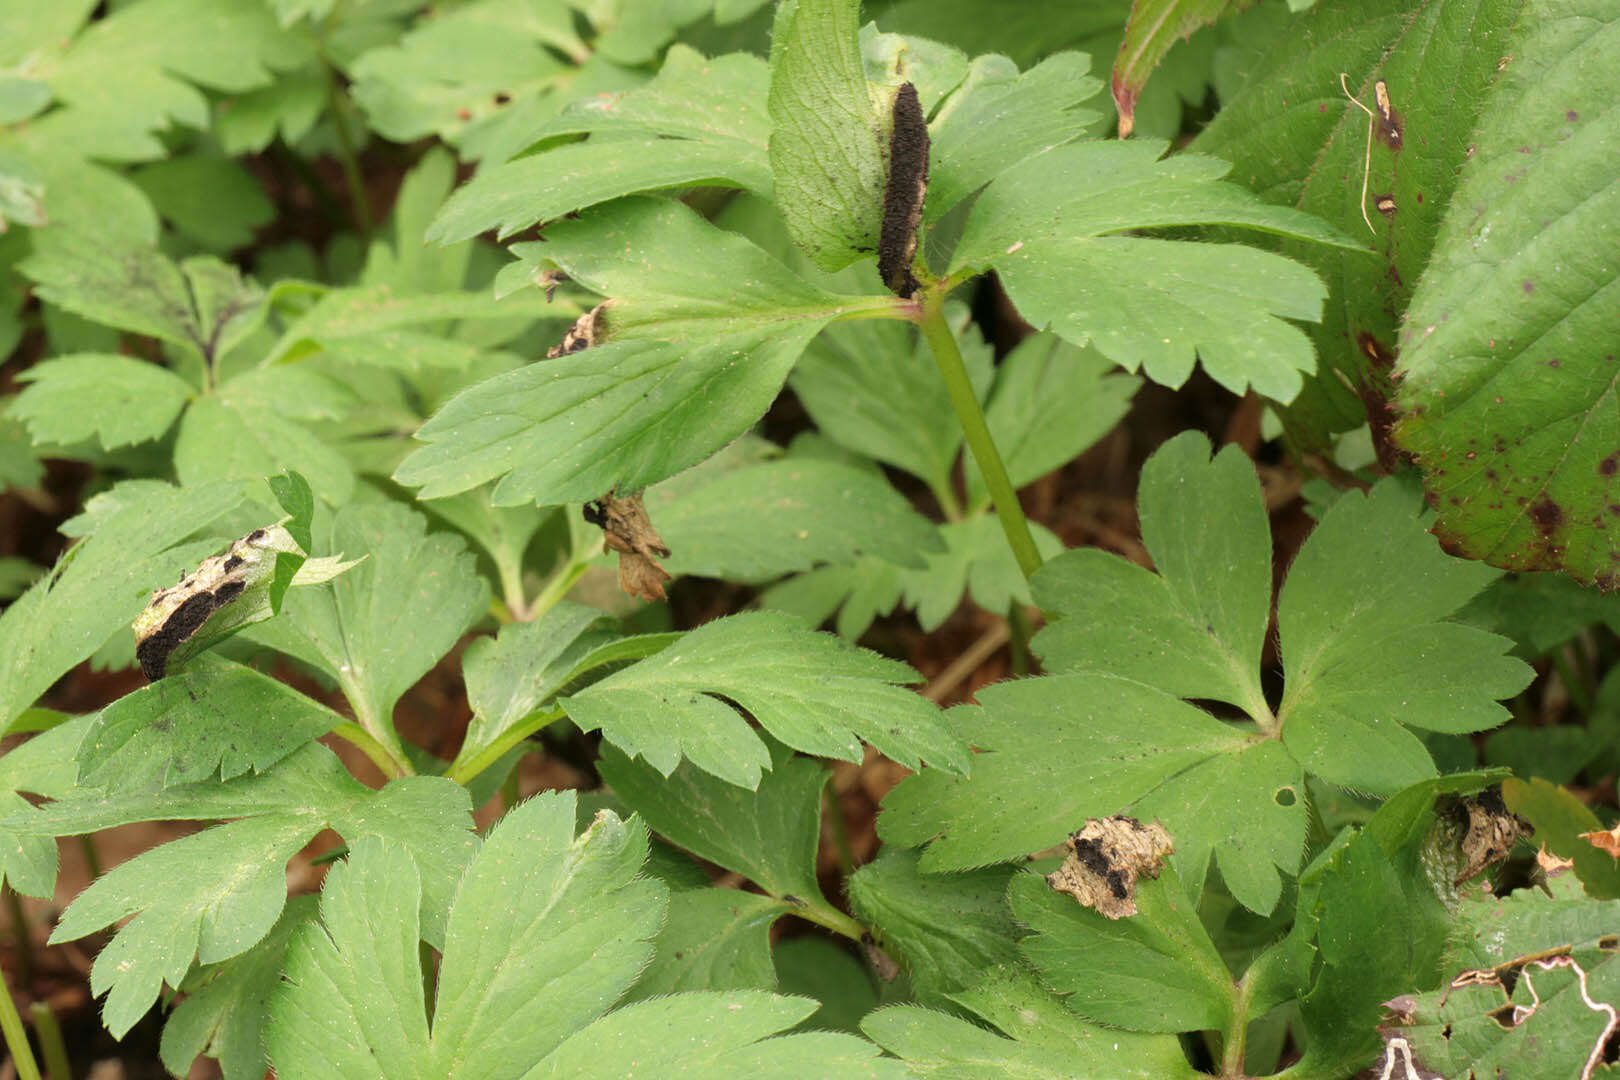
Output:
x=714 y=939
x=812 y=691
x=116 y=400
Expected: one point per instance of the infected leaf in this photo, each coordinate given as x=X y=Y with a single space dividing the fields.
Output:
x=1492 y=831
x=1106 y=857
x=903 y=193
x=583 y=334
x=627 y=530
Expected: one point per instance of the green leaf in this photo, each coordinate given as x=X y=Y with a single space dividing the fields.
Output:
x=381 y=626
x=103 y=583
x=976 y=561
x=858 y=593
x=288 y=107
x=455 y=71
x=1045 y=227
x=213 y=718
x=1504 y=356
x=698 y=121
x=714 y=1034
x=998 y=118
x=829 y=137
x=1370 y=593
x=1556 y=1018
x=946 y=929
x=770 y=836
x=873 y=387
x=223 y=1014
x=1154 y=26
x=816 y=967
x=1051 y=402
x=1157 y=970
x=1044 y=1040
x=1196 y=628
x=762 y=521
x=221 y=441
x=715 y=939
x=114 y=399
x=202 y=305
x=503 y=532
x=44 y=765
x=181 y=914
x=812 y=691
x=1560 y=818
x=571 y=909
x=729 y=322
x=1294 y=139
x=210 y=200
x=511 y=675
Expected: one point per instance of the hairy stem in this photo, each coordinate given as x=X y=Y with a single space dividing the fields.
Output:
x=381 y=756
x=937 y=332
x=462 y=772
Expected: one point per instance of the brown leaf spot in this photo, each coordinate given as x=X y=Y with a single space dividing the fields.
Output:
x=1106 y=858
x=1492 y=832
x=585 y=332
x=1610 y=465
x=1546 y=514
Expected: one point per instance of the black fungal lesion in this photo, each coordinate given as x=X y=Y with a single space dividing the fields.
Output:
x=154 y=650
x=1390 y=126
x=903 y=194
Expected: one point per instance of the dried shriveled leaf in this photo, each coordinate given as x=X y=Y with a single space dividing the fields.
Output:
x=1106 y=858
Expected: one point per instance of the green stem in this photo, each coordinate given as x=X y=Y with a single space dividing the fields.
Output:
x=937 y=332
x=463 y=772
x=11 y=1026
x=19 y=927
x=392 y=765
x=1237 y=1038
x=92 y=857
x=51 y=1044
x=834 y=920
x=347 y=157
x=1018 y=639
x=559 y=585
x=1574 y=685
x=949 y=505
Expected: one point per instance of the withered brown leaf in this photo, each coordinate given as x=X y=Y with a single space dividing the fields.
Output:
x=627 y=530
x=1493 y=829
x=1106 y=858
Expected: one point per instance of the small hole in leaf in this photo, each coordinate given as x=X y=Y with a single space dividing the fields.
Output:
x=1445 y=1032
x=1285 y=796
x=1609 y=942
x=1503 y=1015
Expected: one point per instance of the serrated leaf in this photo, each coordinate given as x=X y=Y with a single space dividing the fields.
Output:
x=1045 y=226
x=572 y=909
x=287 y=108
x=715 y=1034
x=816 y=967
x=873 y=387
x=946 y=929
x=812 y=691
x=714 y=939
x=1157 y=970
x=213 y=718
x=513 y=674
x=1051 y=402
x=762 y=521
x=698 y=122
x=1044 y=1040
x=210 y=200
x=379 y=627
x=1370 y=592
x=1196 y=628
x=998 y=118
x=117 y=400
x=770 y=836
x=223 y=1014
x=221 y=441
x=1505 y=355
x=858 y=593
x=181 y=914
x=826 y=155
x=1561 y=820
x=202 y=305
x=102 y=584
x=44 y=765
x=503 y=532
x=976 y=562
x=459 y=70
x=1154 y=26
x=1295 y=140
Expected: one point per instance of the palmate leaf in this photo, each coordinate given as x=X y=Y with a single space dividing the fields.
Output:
x=812 y=691
x=1294 y=139
x=698 y=122
x=1507 y=357
x=701 y=331
x=1369 y=592
x=714 y=939
x=44 y=765
x=116 y=400
x=212 y=895
x=1039 y=1038
x=98 y=587
x=545 y=927
x=1046 y=227
x=221 y=439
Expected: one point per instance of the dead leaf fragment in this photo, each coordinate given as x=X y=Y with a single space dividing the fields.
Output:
x=583 y=334
x=627 y=530
x=1552 y=865
x=1106 y=857
x=1605 y=840
x=1492 y=831
x=883 y=965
